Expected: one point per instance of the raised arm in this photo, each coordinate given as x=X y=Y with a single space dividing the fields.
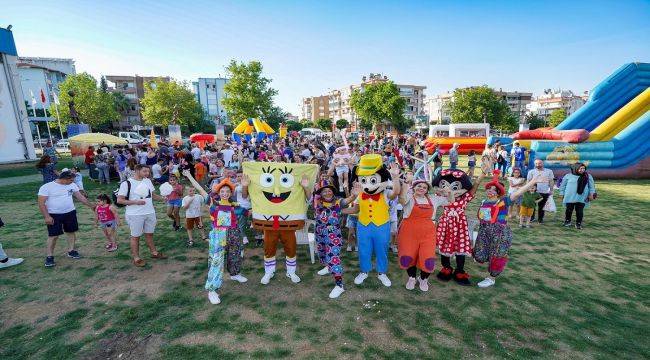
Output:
x=394 y=174
x=356 y=190
x=515 y=195
x=195 y=184
x=477 y=183
x=304 y=182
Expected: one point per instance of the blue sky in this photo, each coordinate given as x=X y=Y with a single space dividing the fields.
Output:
x=309 y=47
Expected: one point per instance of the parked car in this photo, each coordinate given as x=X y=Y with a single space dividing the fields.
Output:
x=131 y=137
x=311 y=133
x=63 y=144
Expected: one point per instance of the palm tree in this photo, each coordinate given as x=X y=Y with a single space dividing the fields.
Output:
x=121 y=102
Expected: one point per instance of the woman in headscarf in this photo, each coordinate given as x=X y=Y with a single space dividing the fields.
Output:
x=577 y=189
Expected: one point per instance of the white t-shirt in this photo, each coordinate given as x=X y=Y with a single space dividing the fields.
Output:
x=227 y=156
x=59 y=197
x=305 y=153
x=145 y=209
x=156 y=171
x=142 y=157
x=243 y=202
x=195 y=201
x=196 y=153
x=542 y=187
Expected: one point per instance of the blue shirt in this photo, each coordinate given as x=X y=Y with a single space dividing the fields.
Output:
x=519 y=153
x=569 y=189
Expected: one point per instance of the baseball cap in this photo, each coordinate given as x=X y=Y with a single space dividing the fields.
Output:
x=66 y=174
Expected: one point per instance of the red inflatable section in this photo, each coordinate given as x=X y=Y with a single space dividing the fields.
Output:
x=465 y=144
x=202 y=139
x=570 y=136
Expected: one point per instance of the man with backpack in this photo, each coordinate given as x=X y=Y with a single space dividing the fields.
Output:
x=137 y=194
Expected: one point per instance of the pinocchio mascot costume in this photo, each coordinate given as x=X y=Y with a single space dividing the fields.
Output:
x=373 y=228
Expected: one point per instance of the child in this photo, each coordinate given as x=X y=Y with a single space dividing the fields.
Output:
x=174 y=202
x=393 y=206
x=471 y=163
x=244 y=208
x=351 y=224
x=225 y=238
x=327 y=212
x=341 y=159
x=529 y=202
x=515 y=182
x=200 y=170
x=494 y=235
x=107 y=217
x=192 y=206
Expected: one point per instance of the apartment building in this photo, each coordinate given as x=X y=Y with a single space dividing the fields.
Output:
x=209 y=93
x=517 y=101
x=38 y=73
x=553 y=100
x=133 y=88
x=438 y=108
x=315 y=107
x=338 y=106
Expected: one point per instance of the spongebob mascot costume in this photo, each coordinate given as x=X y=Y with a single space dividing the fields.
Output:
x=279 y=193
x=373 y=228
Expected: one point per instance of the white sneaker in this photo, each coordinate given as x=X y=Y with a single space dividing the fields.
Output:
x=245 y=240
x=393 y=248
x=487 y=282
x=11 y=262
x=239 y=277
x=349 y=248
x=410 y=284
x=294 y=278
x=384 y=280
x=360 y=278
x=336 y=292
x=324 y=271
x=424 y=284
x=213 y=297
x=267 y=278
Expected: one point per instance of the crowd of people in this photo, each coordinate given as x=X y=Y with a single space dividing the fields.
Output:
x=419 y=203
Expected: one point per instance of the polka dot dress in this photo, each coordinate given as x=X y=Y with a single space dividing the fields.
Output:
x=453 y=233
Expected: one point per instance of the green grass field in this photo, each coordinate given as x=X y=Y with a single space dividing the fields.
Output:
x=565 y=294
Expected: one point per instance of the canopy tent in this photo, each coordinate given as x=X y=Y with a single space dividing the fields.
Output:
x=98 y=138
x=202 y=139
x=246 y=128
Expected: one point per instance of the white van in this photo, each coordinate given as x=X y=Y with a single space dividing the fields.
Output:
x=131 y=137
x=311 y=133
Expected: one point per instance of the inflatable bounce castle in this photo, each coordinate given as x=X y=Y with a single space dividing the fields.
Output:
x=610 y=133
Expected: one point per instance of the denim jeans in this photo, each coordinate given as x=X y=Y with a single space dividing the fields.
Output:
x=104 y=172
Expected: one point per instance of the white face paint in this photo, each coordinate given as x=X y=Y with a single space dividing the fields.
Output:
x=372 y=184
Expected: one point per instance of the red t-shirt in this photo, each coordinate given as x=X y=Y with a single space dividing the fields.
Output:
x=90 y=157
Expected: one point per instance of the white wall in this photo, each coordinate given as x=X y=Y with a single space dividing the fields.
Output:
x=34 y=79
x=13 y=116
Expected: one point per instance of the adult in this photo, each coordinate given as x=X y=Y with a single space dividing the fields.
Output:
x=89 y=160
x=137 y=193
x=101 y=163
x=120 y=163
x=518 y=154
x=47 y=168
x=544 y=188
x=142 y=156
x=196 y=152
x=577 y=190
x=130 y=168
x=453 y=156
x=152 y=157
x=56 y=204
x=227 y=152
x=159 y=171
x=6 y=261
x=502 y=160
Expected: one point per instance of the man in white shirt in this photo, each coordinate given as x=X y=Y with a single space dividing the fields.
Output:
x=158 y=172
x=228 y=154
x=137 y=193
x=544 y=188
x=56 y=204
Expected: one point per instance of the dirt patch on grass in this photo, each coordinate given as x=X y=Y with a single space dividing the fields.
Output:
x=124 y=347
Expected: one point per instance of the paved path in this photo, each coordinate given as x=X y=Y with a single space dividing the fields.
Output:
x=28 y=179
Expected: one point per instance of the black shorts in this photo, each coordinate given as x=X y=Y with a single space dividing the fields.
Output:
x=63 y=223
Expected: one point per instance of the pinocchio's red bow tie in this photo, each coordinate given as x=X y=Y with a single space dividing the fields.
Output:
x=374 y=197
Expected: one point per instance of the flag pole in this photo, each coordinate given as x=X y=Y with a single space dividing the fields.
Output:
x=58 y=117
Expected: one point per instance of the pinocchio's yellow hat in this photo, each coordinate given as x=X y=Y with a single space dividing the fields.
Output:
x=369 y=164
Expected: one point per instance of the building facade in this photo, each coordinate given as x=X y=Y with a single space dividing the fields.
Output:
x=517 y=101
x=133 y=88
x=336 y=104
x=209 y=93
x=438 y=108
x=553 y=100
x=37 y=73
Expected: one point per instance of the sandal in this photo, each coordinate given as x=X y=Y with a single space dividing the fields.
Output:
x=139 y=263
x=159 y=256
x=190 y=243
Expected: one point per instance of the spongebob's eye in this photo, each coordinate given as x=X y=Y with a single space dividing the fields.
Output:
x=266 y=180
x=286 y=180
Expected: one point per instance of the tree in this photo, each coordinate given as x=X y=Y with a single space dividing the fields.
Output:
x=95 y=108
x=172 y=102
x=121 y=102
x=248 y=92
x=294 y=125
x=103 y=85
x=275 y=117
x=481 y=104
x=380 y=102
x=556 y=117
x=324 y=124
x=534 y=121
x=342 y=124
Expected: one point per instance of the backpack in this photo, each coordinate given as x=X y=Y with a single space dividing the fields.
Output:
x=500 y=159
x=128 y=193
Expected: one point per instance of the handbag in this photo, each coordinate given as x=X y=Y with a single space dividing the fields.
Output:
x=550 y=205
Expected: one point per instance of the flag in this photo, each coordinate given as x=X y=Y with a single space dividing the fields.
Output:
x=31 y=93
x=42 y=97
x=56 y=98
